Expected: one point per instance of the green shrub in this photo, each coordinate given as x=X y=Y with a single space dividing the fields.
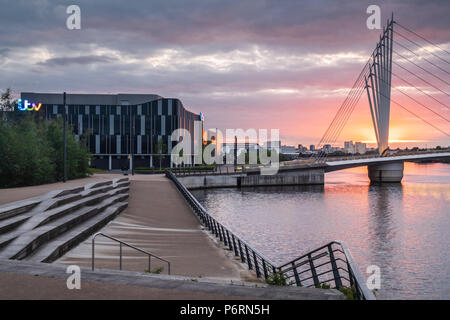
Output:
x=277 y=279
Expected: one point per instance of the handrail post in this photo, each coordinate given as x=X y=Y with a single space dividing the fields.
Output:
x=240 y=251
x=229 y=242
x=249 y=262
x=120 y=245
x=313 y=271
x=337 y=277
x=93 y=252
x=150 y=263
x=297 y=278
x=220 y=232
x=224 y=238
x=234 y=245
x=264 y=268
x=258 y=273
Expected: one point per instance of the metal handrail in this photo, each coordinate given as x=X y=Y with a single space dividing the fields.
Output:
x=301 y=269
x=121 y=243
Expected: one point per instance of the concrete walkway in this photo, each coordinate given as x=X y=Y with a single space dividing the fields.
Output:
x=158 y=220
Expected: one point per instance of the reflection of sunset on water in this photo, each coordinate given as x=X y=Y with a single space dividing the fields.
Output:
x=401 y=227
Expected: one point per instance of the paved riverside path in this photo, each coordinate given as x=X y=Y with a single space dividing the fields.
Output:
x=159 y=220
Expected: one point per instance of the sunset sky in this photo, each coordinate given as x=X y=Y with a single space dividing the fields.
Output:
x=244 y=64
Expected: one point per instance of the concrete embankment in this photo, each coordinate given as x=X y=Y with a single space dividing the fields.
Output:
x=282 y=178
x=25 y=280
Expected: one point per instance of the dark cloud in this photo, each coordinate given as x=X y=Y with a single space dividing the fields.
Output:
x=213 y=55
x=81 y=60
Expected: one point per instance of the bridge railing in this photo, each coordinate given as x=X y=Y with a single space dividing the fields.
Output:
x=331 y=264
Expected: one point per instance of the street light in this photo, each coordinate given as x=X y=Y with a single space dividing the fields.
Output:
x=64 y=133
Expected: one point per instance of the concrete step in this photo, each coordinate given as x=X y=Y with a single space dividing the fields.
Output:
x=11 y=223
x=28 y=242
x=12 y=209
x=45 y=227
x=42 y=218
x=61 y=200
x=22 y=206
x=51 y=200
x=54 y=249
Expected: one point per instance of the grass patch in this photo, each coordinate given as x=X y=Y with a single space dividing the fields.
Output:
x=96 y=170
x=155 y=271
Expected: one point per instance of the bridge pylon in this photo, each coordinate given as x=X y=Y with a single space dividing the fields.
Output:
x=378 y=86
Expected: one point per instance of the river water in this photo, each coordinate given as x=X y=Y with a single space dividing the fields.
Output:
x=402 y=228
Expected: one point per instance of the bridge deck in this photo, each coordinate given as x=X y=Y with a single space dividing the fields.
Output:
x=351 y=163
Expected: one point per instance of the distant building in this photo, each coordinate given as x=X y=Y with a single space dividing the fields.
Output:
x=123 y=130
x=228 y=147
x=301 y=148
x=357 y=147
x=360 y=147
x=288 y=150
x=312 y=147
x=349 y=147
x=327 y=148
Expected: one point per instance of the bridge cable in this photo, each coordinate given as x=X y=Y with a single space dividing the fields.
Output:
x=423 y=38
x=342 y=110
x=341 y=125
x=421 y=78
x=339 y=131
x=418 y=102
x=410 y=84
x=429 y=72
x=439 y=115
x=355 y=96
x=416 y=115
x=421 y=47
x=342 y=114
x=435 y=65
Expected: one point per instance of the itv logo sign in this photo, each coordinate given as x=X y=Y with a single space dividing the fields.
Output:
x=27 y=106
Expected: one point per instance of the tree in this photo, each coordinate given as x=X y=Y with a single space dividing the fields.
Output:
x=7 y=106
x=31 y=149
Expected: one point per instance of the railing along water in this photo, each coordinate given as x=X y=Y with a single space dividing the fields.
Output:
x=122 y=243
x=330 y=264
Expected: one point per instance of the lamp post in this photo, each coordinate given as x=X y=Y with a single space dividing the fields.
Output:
x=132 y=145
x=64 y=139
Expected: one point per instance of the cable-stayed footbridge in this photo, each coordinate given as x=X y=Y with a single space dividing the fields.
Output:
x=421 y=78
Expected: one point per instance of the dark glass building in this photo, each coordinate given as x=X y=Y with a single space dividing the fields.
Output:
x=123 y=129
